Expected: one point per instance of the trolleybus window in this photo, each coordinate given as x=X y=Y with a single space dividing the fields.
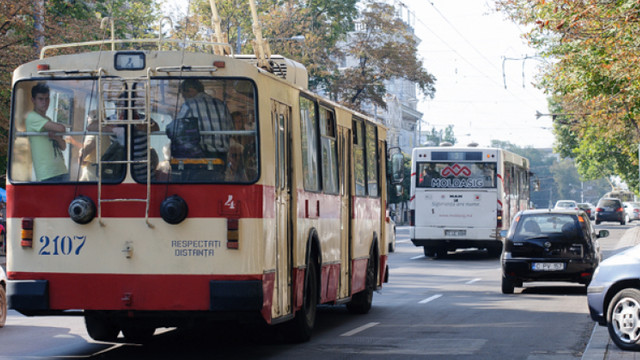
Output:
x=456 y=175
x=309 y=134
x=358 y=153
x=194 y=140
x=329 y=151
x=372 y=160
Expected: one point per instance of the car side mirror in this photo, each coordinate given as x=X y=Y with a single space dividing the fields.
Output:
x=603 y=233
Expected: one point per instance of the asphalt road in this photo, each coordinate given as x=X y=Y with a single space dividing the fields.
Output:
x=449 y=308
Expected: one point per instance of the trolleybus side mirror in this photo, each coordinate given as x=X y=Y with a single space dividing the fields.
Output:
x=396 y=168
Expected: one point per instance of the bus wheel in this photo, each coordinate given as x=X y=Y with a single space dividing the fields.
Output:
x=494 y=251
x=299 y=329
x=361 y=302
x=428 y=252
x=441 y=253
x=100 y=328
x=138 y=333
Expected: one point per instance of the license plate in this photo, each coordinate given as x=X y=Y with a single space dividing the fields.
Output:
x=547 y=266
x=455 y=232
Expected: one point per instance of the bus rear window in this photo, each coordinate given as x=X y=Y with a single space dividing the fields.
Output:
x=450 y=175
x=203 y=130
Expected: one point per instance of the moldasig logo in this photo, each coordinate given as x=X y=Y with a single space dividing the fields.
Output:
x=455 y=170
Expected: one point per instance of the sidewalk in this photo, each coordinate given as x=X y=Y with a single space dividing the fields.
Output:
x=600 y=345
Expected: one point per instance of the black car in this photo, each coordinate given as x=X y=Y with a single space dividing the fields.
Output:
x=610 y=209
x=550 y=245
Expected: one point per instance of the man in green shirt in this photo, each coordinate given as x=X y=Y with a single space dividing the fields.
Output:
x=46 y=151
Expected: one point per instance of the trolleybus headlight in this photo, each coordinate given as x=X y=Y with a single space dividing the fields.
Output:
x=174 y=209
x=82 y=210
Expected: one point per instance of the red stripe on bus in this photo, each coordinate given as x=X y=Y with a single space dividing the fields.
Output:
x=252 y=201
x=144 y=292
x=358 y=278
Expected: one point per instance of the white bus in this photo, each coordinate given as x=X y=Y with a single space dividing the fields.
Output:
x=461 y=197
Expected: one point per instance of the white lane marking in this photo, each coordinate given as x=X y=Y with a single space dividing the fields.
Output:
x=472 y=281
x=417 y=257
x=361 y=328
x=429 y=299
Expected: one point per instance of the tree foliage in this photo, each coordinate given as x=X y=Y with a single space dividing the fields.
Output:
x=557 y=179
x=383 y=44
x=386 y=48
x=593 y=77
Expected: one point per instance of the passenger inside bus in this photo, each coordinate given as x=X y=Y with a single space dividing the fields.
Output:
x=189 y=142
x=46 y=151
x=87 y=153
x=235 y=164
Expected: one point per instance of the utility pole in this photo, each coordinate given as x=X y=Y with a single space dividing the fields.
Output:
x=38 y=18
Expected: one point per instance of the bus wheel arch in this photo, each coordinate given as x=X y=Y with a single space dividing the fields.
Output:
x=299 y=329
x=361 y=302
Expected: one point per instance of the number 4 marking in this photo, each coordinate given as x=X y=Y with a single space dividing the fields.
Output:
x=230 y=203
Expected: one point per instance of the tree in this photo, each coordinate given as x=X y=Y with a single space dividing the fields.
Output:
x=592 y=77
x=435 y=137
x=385 y=49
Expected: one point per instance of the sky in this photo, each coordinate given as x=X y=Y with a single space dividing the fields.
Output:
x=466 y=45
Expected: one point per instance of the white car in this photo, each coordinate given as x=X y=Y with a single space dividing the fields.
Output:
x=566 y=205
x=3 y=297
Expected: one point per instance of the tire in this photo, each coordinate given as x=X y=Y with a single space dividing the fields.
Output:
x=428 y=252
x=623 y=319
x=494 y=251
x=622 y=222
x=138 y=333
x=441 y=253
x=300 y=328
x=597 y=222
x=100 y=328
x=507 y=285
x=361 y=302
x=3 y=306
x=392 y=247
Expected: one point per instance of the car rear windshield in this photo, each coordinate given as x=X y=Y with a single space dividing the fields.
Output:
x=554 y=226
x=609 y=203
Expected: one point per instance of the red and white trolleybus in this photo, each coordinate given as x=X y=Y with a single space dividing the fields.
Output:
x=195 y=184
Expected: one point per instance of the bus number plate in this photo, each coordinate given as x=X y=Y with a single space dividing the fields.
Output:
x=455 y=232
x=548 y=266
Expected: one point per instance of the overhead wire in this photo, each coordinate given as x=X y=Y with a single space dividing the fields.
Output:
x=492 y=79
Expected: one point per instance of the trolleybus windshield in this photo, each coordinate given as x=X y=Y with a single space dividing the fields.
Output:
x=203 y=132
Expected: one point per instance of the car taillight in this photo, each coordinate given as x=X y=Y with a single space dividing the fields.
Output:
x=599 y=209
x=619 y=210
x=636 y=210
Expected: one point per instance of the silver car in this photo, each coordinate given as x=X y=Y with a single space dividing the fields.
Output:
x=614 y=297
x=632 y=211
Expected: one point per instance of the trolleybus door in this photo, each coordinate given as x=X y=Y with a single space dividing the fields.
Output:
x=281 y=117
x=344 y=154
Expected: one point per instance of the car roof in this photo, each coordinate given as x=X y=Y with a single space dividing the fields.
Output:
x=552 y=211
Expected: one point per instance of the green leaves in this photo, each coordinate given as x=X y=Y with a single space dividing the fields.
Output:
x=594 y=77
